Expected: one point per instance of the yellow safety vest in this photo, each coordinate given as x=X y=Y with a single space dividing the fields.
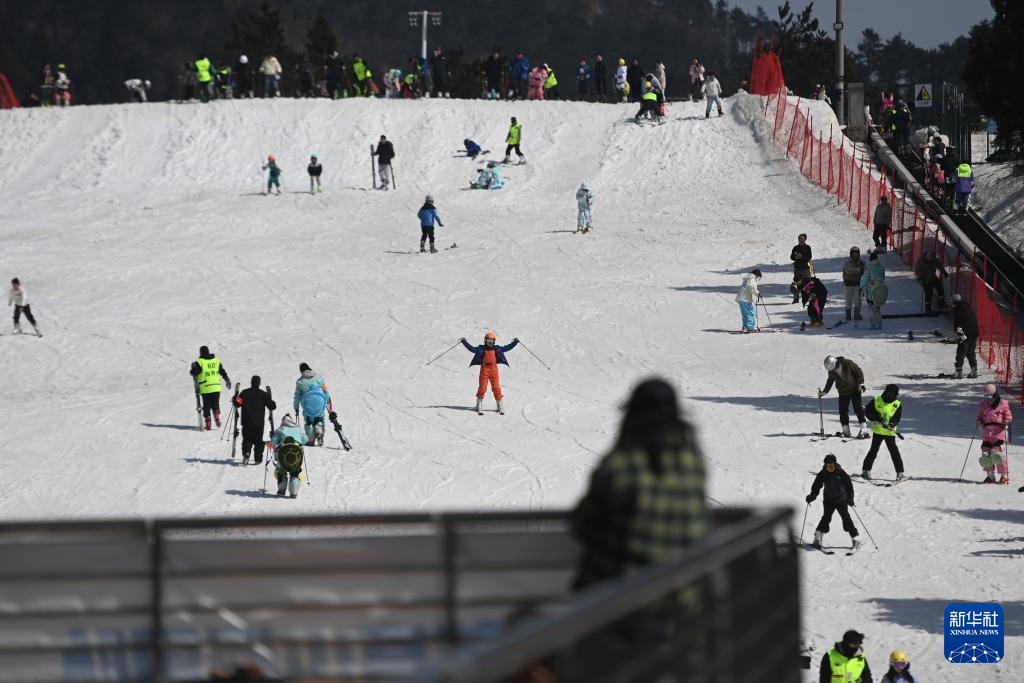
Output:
x=886 y=412
x=513 y=134
x=551 y=81
x=846 y=668
x=209 y=375
x=963 y=171
x=650 y=95
x=203 y=67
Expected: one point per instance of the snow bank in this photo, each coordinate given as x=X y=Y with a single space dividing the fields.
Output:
x=999 y=199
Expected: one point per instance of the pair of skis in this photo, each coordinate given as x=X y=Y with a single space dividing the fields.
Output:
x=850 y=552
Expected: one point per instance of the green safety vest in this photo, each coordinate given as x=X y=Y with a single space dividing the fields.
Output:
x=203 y=67
x=551 y=81
x=886 y=412
x=963 y=170
x=209 y=375
x=651 y=95
x=513 y=134
x=846 y=668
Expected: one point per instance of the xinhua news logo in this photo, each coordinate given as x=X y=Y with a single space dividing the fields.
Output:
x=974 y=633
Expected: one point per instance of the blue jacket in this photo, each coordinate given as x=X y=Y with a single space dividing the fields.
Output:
x=282 y=433
x=520 y=68
x=472 y=148
x=583 y=73
x=303 y=384
x=499 y=351
x=428 y=216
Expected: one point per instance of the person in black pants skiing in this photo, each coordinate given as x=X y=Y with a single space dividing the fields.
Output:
x=884 y=412
x=802 y=269
x=385 y=153
x=254 y=403
x=838 y=497
x=965 y=322
x=314 y=170
x=849 y=381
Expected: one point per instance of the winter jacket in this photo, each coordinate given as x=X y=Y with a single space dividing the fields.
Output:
x=439 y=69
x=659 y=72
x=490 y=178
x=994 y=420
x=893 y=676
x=275 y=170
x=515 y=134
x=136 y=86
x=583 y=73
x=883 y=214
x=472 y=149
x=428 y=216
x=213 y=384
x=964 y=178
x=928 y=270
x=634 y=74
x=307 y=381
x=873 y=274
x=887 y=103
x=847 y=376
x=271 y=67
x=584 y=198
x=620 y=77
x=871 y=411
x=902 y=119
x=478 y=352
x=385 y=152
x=801 y=257
x=62 y=82
x=813 y=289
x=282 y=433
x=748 y=290
x=837 y=485
x=964 y=317
x=254 y=403
x=361 y=71
x=712 y=87
x=519 y=69
x=696 y=73
x=537 y=77
x=600 y=70
x=18 y=297
x=852 y=271
x=492 y=67
x=315 y=169
x=826 y=675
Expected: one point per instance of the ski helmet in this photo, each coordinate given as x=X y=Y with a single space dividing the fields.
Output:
x=899 y=656
x=287 y=421
x=490 y=337
x=830 y=363
x=830 y=459
x=991 y=389
x=148 y=84
x=491 y=164
x=583 y=186
x=622 y=62
x=429 y=199
x=271 y=157
x=243 y=60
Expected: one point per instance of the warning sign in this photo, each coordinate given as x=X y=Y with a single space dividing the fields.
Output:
x=923 y=96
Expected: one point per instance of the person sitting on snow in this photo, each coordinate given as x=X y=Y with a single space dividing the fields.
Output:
x=472 y=149
x=489 y=178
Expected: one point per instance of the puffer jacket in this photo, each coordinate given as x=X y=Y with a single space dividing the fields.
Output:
x=994 y=420
x=271 y=67
x=307 y=381
x=748 y=290
x=847 y=376
x=712 y=88
x=852 y=272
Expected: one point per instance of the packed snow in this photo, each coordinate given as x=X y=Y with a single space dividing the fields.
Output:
x=140 y=234
x=999 y=199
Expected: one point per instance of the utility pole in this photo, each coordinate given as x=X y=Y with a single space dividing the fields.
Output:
x=421 y=18
x=840 y=89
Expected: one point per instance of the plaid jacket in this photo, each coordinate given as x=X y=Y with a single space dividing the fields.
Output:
x=632 y=517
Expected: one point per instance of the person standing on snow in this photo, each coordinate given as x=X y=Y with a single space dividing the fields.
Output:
x=853 y=270
x=287 y=442
x=513 y=140
x=965 y=322
x=872 y=283
x=849 y=381
x=254 y=403
x=994 y=416
x=204 y=78
x=137 y=88
x=207 y=372
x=385 y=152
x=18 y=297
x=930 y=274
x=622 y=81
x=600 y=78
x=899 y=669
x=659 y=73
x=814 y=294
x=635 y=79
x=63 y=86
x=489 y=357
x=884 y=412
x=312 y=394
x=696 y=79
x=519 y=71
x=271 y=70
x=314 y=170
x=243 y=77
x=537 y=78
x=712 y=89
x=802 y=268
x=584 y=200
x=274 y=178
x=838 y=497
x=747 y=298
x=428 y=216
x=883 y=219
x=845 y=661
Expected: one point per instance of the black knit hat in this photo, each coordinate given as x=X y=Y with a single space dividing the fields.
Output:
x=303 y=367
x=204 y=351
x=830 y=459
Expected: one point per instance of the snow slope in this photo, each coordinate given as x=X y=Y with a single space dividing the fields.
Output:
x=1000 y=200
x=139 y=234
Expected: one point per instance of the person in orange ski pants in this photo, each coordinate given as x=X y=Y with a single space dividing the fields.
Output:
x=488 y=357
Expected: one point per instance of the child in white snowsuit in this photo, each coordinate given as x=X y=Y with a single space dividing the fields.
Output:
x=19 y=298
x=584 y=200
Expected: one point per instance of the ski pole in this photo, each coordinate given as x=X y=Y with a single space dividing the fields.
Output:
x=821 y=413
x=964 y=468
x=865 y=528
x=535 y=356
x=305 y=461
x=439 y=355
x=765 y=307
x=803 y=524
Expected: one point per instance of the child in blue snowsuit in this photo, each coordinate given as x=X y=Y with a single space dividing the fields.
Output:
x=472 y=149
x=584 y=199
x=312 y=394
x=489 y=178
x=428 y=216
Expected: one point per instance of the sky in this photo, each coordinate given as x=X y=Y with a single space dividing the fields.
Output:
x=926 y=23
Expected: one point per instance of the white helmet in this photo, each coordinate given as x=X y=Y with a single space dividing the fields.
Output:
x=243 y=60
x=429 y=199
x=147 y=84
x=830 y=363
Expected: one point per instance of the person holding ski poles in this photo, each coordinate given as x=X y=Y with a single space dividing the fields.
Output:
x=312 y=394
x=747 y=298
x=885 y=412
x=287 y=442
x=994 y=416
x=274 y=179
x=428 y=216
x=208 y=371
x=488 y=357
x=255 y=403
x=385 y=152
x=849 y=381
x=838 y=497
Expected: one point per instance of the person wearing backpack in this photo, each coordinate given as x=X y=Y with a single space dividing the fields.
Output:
x=312 y=395
x=287 y=442
x=872 y=283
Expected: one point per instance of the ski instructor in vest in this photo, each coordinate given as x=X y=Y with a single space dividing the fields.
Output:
x=207 y=371
x=488 y=357
x=845 y=661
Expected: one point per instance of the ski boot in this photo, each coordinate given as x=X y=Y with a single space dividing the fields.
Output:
x=245 y=458
x=501 y=409
x=973 y=374
x=900 y=476
x=294 y=485
x=856 y=543
x=432 y=249
x=817 y=539
x=36 y=329
x=1004 y=479
x=423 y=247
x=208 y=425
x=849 y=314
x=479 y=406
x=958 y=373
x=216 y=418
x=846 y=431
x=282 y=484
x=17 y=328
x=506 y=159
x=989 y=479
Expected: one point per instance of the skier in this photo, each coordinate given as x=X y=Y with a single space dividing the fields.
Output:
x=488 y=357
x=876 y=292
x=514 y=138
x=489 y=178
x=853 y=270
x=994 y=416
x=899 y=669
x=584 y=200
x=208 y=371
x=314 y=170
x=802 y=268
x=287 y=442
x=274 y=178
x=600 y=78
x=838 y=497
x=385 y=152
x=472 y=149
x=964 y=184
x=965 y=322
x=648 y=103
x=243 y=77
x=254 y=403
x=712 y=89
x=884 y=412
x=814 y=295
x=696 y=79
x=883 y=219
x=846 y=661
x=849 y=381
x=747 y=298
x=18 y=297
x=137 y=88
x=621 y=81
x=312 y=394
x=63 y=85
x=930 y=274
x=550 y=83
x=428 y=216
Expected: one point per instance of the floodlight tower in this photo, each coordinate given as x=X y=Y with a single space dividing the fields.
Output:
x=423 y=18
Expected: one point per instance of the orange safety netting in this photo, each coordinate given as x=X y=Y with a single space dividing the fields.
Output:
x=766 y=73
x=7 y=98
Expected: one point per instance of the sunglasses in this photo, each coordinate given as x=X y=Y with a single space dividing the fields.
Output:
x=899 y=665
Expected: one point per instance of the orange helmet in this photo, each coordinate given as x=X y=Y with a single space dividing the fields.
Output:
x=490 y=336
x=271 y=157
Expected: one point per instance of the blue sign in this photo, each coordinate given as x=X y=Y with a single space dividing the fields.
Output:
x=974 y=633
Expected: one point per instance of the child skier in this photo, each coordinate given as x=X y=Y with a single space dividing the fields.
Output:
x=899 y=669
x=994 y=416
x=584 y=199
x=18 y=297
x=274 y=179
x=314 y=170
x=814 y=295
x=876 y=292
x=838 y=497
x=488 y=357
x=472 y=149
x=489 y=178
x=287 y=441
x=312 y=394
x=428 y=216
x=747 y=298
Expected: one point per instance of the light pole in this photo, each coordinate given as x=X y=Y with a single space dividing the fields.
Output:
x=840 y=90
x=422 y=18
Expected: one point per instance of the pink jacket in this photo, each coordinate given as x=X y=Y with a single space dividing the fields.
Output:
x=993 y=421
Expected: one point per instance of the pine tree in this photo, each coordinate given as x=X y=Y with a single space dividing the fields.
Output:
x=261 y=35
x=320 y=41
x=806 y=50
